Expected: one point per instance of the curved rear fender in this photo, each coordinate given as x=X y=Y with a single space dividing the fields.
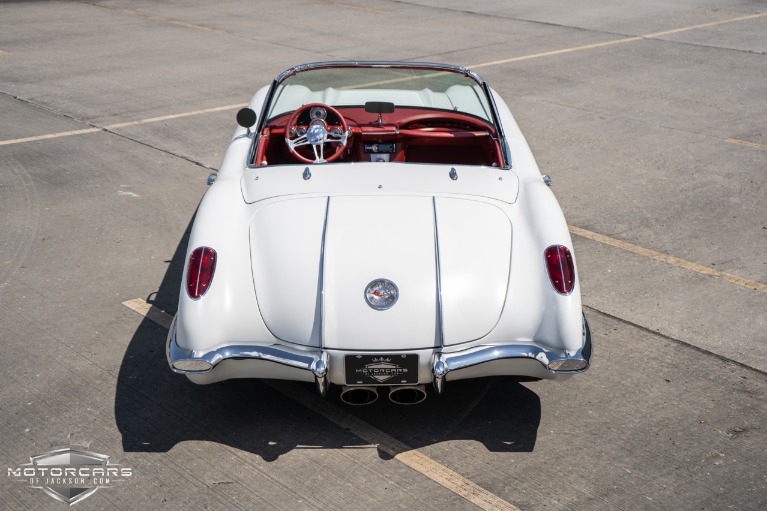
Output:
x=534 y=310
x=228 y=313
x=234 y=163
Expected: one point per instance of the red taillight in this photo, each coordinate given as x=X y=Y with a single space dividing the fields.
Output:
x=202 y=265
x=559 y=263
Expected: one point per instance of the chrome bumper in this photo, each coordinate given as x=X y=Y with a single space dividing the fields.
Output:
x=186 y=361
x=190 y=362
x=556 y=362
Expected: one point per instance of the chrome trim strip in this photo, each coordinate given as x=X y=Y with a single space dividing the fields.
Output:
x=379 y=63
x=259 y=128
x=251 y=161
x=439 y=369
x=320 y=370
x=497 y=121
x=322 y=274
x=264 y=108
x=314 y=361
x=441 y=321
x=238 y=137
x=446 y=362
x=380 y=133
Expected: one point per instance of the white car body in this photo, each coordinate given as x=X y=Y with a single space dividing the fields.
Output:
x=461 y=248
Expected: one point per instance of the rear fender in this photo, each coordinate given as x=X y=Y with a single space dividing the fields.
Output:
x=534 y=310
x=228 y=312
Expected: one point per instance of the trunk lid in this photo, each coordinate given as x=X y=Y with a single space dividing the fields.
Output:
x=313 y=258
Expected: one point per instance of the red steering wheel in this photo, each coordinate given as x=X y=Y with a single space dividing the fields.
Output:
x=317 y=134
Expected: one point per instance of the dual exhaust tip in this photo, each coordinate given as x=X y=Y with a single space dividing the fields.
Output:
x=404 y=395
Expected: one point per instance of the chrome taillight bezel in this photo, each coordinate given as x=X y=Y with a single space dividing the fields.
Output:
x=196 y=270
x=562 y=251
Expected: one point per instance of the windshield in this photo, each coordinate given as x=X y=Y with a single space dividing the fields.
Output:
x=405 y=87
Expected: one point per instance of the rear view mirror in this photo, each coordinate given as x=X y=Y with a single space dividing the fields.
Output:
x=379 y=107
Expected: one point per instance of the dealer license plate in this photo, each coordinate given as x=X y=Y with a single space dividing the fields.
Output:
x=381 y=369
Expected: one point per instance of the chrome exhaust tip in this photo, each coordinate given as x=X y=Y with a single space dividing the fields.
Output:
x=358 y=396
x=408 y=395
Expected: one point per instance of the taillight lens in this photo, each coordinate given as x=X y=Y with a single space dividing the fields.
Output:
x=559 y=263
x=202 y=265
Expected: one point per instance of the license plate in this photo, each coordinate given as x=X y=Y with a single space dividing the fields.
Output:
x=381 y=369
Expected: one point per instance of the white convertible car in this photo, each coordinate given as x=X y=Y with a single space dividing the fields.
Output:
x=379 y=226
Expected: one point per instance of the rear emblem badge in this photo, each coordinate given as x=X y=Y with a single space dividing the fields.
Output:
x=381 y=294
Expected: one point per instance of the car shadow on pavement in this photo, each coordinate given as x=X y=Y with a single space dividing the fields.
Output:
x=501 y=413
x=156 y=409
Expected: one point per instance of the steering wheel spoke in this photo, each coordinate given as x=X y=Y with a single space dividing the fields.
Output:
x=297 y=142
x=339 y=137
x=319 y=158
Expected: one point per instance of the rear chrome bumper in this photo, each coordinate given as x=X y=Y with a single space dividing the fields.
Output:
x=553 y=362
x=472 y=362
x=186 y=361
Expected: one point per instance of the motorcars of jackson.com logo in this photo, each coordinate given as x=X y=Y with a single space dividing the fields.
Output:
x=382 y=369
x=70 y=472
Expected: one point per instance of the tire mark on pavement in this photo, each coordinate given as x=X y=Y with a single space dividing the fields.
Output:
x=18 y=193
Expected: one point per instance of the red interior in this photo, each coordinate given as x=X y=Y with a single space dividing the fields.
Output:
x=419 y=135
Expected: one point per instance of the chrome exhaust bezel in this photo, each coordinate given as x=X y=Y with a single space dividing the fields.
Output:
x=348 y=390
x=421 y=389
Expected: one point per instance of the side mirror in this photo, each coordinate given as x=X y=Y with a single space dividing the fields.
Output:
x=246 y=118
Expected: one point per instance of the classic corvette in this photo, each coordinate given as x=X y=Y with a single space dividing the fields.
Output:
x=379 y=226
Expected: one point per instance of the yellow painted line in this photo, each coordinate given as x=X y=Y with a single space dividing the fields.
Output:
x=350 y=6
x=414 y=459
x=454 y=482
x=706 y=25
x=675 y=261
x=171 y=21
x=119 y=125
x=747 y=144
x=556 y=52
x=442 y=475
x=161 y=19
x=174 y=116
x=149 y=311
x=616 y=41
x=475 y=66
x=563 y=51
x=49 y=136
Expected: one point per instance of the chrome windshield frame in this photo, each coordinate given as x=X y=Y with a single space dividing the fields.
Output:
x=379 y=64
x=384 y=64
